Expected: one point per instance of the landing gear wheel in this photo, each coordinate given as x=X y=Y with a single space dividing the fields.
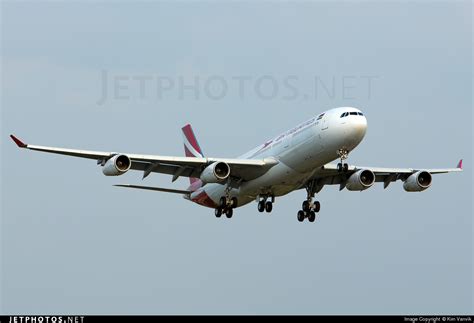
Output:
x=261 y=206
x=218 y=212
x=311 y=216
x=343 y=154
x=228 y=213
x=268 y=206
x=345 y=168
x=222 y=202
x=234 y=202
x=305 y=206
x=300 y=215
x=317 y=206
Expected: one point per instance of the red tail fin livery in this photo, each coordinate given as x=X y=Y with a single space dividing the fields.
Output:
x=191 y=146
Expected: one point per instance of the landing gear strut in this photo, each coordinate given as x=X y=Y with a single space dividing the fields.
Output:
x=308 y=207
x=343 y=154
x=226 y=204
x=265 y=204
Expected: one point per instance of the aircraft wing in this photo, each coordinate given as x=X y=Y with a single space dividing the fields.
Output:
x=329 y=175
x=242 y=169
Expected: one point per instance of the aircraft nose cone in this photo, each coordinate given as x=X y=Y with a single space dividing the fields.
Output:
x=356 y=130
x=360 y=126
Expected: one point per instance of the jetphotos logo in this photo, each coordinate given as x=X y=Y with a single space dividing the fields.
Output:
x=157 y=87
x=46 y=319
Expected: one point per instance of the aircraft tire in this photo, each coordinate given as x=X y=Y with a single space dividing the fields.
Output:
x=317 y=206
x=268 y=206
x=261 y=206
x=300 y=215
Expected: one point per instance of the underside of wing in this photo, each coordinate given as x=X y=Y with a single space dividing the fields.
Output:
x=359 y=178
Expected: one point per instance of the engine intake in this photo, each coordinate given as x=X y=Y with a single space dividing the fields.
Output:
x=360 y=180
x=215 y=173
x=418 y=181
x=117 y=165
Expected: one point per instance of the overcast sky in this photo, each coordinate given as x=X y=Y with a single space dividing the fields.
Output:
x=240 y=73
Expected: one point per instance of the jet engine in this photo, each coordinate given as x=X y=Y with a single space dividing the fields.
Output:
x=215 y=173
x=418 y=181
x=360 y=180
x=117 y=165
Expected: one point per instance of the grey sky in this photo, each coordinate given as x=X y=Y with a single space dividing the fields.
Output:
x=72 y=243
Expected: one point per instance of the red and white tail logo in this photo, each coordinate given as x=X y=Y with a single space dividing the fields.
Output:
x=191 y=145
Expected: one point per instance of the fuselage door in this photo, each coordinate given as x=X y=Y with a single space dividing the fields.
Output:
x=321 y=128
x=325 y=123
x=321 y=122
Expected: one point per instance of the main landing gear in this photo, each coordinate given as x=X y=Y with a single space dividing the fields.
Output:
x=309 y=208
x=266 y=205
x=227 y=205
x=343 y=153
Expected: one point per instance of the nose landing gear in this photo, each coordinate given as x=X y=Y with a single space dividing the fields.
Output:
x=343 y=154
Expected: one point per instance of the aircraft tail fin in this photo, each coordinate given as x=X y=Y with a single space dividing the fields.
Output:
x=191 y=146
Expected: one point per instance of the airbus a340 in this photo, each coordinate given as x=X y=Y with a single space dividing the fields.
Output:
x=296 y=159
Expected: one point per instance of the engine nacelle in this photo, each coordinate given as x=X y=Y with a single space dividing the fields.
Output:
x=215 y=173
x=418 y=181
x=360 y=180
x=117 y=165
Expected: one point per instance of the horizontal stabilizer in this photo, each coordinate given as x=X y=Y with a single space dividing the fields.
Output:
x=159 y=189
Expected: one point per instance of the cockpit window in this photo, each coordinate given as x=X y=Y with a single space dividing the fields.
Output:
x=320 y=116
x=345 y=114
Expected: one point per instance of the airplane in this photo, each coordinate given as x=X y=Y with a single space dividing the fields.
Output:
x=299 y=158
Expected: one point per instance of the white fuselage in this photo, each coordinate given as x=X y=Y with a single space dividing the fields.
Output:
x=300 y=152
